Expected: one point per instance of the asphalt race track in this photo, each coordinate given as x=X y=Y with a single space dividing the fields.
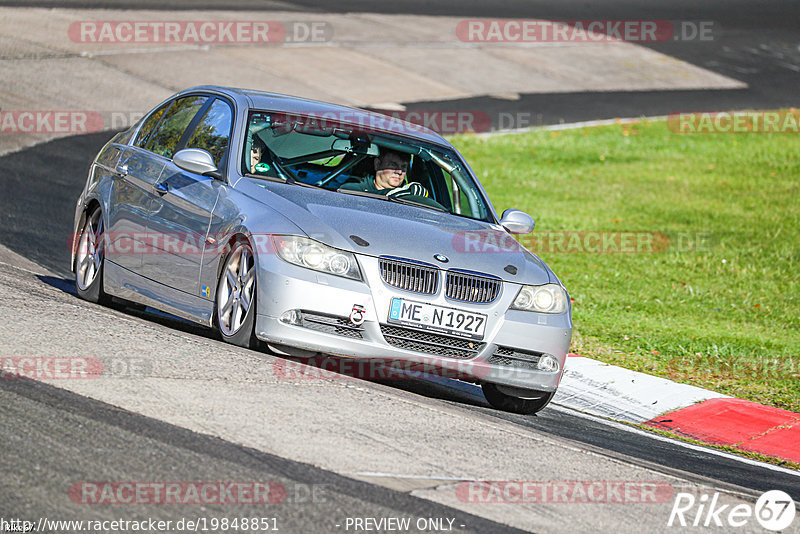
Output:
x=39 y=206
x=758 y=44
x=139 y=447
x=754 y=42
x=38 y=217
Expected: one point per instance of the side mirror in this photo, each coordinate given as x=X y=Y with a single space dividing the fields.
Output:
x=517 y=222
x=196 y=160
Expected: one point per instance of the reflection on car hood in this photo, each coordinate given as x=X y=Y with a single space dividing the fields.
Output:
x=399 y=230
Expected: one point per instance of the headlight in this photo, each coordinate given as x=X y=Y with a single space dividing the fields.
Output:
x=314 y=255
x=549 y=298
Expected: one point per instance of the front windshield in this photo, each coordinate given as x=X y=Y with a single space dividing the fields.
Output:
x=339 y=157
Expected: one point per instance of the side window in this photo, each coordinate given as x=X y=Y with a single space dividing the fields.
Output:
x=149 y=124
x=166 y=137
x=214 y=130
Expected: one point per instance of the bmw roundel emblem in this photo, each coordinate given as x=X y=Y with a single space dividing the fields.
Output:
x=441 y=257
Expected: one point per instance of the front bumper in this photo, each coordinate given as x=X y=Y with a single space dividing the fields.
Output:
x=512 y=342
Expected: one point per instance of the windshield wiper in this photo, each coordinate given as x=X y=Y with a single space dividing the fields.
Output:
x=283 y=178
x=286 y=180
x=266 y=178
x=361 y=193
x=403 y=200
x=287 y=175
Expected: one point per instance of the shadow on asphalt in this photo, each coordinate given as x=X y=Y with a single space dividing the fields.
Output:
x=138 y=430
x=41 y=185
x=62 y=284
x=67 y=285
x=320 y=366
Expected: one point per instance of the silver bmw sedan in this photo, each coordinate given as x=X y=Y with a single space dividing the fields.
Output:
x=314 y=228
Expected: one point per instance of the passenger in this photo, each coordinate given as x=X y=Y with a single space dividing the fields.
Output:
x=389 y=178
x=257 y=150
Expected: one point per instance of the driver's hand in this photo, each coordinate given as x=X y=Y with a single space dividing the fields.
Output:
x=411 y=188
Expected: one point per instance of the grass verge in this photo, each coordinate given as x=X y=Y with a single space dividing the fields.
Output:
x=706 y=290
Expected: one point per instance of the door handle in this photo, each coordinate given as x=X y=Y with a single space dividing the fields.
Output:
x=162 y=188
x=121 y=170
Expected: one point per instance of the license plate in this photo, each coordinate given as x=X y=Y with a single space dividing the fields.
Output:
x=437 y=318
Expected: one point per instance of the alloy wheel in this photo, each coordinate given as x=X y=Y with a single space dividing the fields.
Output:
x=236 y=290
x=90 y=251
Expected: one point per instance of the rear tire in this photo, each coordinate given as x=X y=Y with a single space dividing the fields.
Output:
x=90 y=259
x=235 y=307
x=532 y=401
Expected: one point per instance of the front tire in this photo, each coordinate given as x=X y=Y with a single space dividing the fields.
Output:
x=525 y=402
x=89 y=260
x=235 y=307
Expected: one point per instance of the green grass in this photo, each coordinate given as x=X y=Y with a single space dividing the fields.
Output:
x=724 y=315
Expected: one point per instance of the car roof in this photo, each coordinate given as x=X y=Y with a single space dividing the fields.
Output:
x=304 y=106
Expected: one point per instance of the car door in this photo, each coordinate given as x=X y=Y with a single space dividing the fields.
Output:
x=135 y=173
x=181 y=211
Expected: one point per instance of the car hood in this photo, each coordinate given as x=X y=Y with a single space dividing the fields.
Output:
x=378 y=227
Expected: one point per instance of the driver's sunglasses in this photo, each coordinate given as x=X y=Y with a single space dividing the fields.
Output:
x=402 y=167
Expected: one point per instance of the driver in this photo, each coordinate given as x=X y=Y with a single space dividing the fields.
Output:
x=389 y=178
